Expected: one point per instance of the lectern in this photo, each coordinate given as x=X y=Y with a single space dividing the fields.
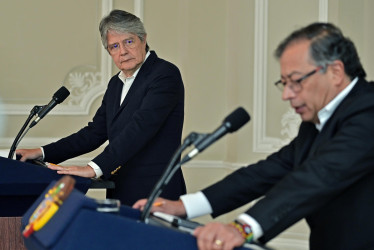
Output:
x=20 y=186
x=78 y=225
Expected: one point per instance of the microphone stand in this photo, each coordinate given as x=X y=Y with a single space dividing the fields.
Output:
x=168 y=173
x=16 y=141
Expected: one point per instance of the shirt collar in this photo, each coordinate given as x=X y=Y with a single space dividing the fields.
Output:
x=123 y=77
x=325 y=113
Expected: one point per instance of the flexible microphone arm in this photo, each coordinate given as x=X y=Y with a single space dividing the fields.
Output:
x=16 y=141
x=201 y=141
x=39 y=111
x=168 y=173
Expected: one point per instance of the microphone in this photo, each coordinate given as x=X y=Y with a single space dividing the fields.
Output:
x=57 y=98
x=230 y=124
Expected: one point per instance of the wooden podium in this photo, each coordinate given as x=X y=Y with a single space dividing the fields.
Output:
x=10 y=233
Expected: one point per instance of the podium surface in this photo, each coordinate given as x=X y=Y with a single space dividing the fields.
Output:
x=77 y=225
x=22 y=183
x=20 y=186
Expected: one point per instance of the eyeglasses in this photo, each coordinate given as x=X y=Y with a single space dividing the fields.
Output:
x=127 y=43
x=295 y=85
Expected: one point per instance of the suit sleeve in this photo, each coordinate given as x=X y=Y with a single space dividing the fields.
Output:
x=250 y=182
x=85 y=140
x=343 y=157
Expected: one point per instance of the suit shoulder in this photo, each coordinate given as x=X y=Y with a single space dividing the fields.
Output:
x=160 y=64
x=114 y=80
x=166 y=65
x=363 y=92
x=360 y=101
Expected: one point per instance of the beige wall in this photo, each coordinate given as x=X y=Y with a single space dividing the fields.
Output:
x=224 y=49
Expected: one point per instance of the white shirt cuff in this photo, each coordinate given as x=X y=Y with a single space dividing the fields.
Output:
x=41 y=148
x=96 y=169
x=196 y=205
x=256 y=228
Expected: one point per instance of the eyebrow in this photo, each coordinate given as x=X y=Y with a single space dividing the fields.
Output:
x=130 y=38
x=289 y=75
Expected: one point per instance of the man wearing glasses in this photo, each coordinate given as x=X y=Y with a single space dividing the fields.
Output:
x=141 y=116
x=325 y=175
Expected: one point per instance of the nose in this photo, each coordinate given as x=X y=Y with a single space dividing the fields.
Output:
x=122 y=49
x=287 y=93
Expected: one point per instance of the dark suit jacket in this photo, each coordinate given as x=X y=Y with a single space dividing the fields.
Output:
x=326 y=177
x=143 y=133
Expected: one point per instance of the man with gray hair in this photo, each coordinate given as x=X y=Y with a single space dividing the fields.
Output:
x=325 y=174
x=141 y=116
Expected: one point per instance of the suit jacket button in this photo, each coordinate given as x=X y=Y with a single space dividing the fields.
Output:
x=115 y=170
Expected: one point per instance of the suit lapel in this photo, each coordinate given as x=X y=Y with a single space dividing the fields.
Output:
x=117 y=96
x=139 y=81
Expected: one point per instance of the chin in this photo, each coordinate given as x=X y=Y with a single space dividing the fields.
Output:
x=306 y=119
x=128 y=68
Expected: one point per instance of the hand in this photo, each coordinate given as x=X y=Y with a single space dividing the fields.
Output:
x=30 y=154
x=86 y=171
x=218 y=236
x=163 y=205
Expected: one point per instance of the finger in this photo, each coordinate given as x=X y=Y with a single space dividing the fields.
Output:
x=218 y=244
x=158 y=203
x=231 y=237
x=140 y=204
x=196 y=232
x=205 y=237
x=201 y=244
x=199 y=240
x=64 y=172
x=54 y=167
x=159 y=206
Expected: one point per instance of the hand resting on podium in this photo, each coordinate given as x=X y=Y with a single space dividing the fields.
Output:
x=37 y=154
x=213 y=235
x=165 y=206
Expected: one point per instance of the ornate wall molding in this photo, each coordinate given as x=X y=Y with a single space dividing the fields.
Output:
x=290 y=120
x=139 y=9
x=323 y=10
x=85 y=82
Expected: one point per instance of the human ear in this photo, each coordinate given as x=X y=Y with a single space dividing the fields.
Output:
x=337 y=72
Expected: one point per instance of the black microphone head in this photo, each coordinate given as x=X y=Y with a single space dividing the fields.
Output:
x=236 y=119
x=61 y=94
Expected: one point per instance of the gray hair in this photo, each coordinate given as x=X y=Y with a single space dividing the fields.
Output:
x=120 y=22
x=327 y=45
